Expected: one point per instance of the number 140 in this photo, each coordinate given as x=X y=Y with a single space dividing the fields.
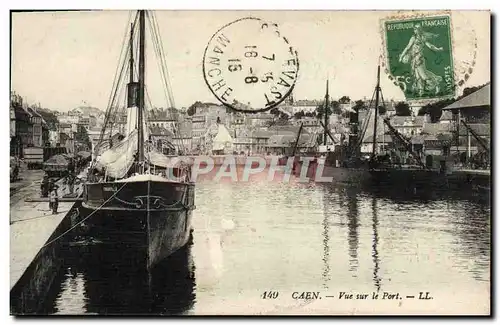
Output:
x=270 y=295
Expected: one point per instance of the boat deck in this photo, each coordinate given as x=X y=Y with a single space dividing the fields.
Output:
x=478 y=172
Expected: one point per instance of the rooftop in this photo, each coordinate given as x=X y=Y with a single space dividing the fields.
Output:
x=401 y=120
x=160 y=114
x=287 y=128
x=286 y=140
x=262 y=133
x=159 y=130
x=481 y=97
x=437 y=128
x=261 y=116
x=307 y=102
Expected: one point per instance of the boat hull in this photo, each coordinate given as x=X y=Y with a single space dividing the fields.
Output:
x=124 y=214
x=347 y=175
x=326 y=173
x=409 y=178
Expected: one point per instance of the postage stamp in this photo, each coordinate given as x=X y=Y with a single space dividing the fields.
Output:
x=419 y=56
x=250 y=66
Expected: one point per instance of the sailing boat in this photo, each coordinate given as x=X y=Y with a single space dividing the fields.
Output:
x=343 y=164
x=135 y=195
x=386 y=172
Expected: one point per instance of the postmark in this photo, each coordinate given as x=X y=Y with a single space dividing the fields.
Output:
x=250 y=66
x=420 y=56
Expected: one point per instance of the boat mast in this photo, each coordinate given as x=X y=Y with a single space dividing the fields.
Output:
x=142 y=39
x=377 y=90
x=297 y=140
x=131 y=53
x=327 y=98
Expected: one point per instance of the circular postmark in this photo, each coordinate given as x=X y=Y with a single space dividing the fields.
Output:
x=250 y=66
x=429 y=55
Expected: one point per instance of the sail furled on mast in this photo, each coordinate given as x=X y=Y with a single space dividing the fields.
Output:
x=115 y=156
x=117 y=161
x=118 y=83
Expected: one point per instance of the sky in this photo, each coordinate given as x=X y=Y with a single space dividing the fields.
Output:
x=66 y=59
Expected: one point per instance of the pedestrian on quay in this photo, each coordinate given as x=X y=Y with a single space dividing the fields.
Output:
x=50 y=185
x=71 y=166
x=71 y=183
x=44 y=186
x=54 y=199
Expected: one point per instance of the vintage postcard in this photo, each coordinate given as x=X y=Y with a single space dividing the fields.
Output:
x=250 y=163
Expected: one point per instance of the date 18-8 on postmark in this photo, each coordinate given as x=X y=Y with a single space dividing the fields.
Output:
x=419 y=56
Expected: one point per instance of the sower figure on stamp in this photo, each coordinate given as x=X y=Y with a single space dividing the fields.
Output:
x=423 y=79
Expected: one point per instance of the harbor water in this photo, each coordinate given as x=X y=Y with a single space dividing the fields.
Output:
x=257 y=246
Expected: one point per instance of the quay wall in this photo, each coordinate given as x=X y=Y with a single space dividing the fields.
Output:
x=28 y=295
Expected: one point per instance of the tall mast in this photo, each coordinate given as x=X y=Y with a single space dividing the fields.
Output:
x=131 y=53
x=142 y=39
x=377 y=90
x=327 y=99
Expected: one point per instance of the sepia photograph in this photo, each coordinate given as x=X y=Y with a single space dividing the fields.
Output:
x=250 y=162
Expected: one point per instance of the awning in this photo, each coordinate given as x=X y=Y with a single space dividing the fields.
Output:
x=84 y=154
x=480 y=97
x=57 y=161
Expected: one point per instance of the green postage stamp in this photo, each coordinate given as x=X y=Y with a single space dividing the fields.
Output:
x=419 y=56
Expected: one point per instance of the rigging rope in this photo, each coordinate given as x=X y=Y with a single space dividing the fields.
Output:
x=160 y=53
x=122 y=70
x=163 y=57
x=154 y=38
x=116 y=82
x=181 y=201
x=86 y=218
x=166 y=77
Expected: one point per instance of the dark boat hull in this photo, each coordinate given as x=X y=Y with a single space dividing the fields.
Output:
x=408 y=178
x=347 y=175
x=124 y=214
x=327 y=173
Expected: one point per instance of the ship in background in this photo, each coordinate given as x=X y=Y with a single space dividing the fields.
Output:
x=399 y=166
x=409 y=168
x=343 y=161
x=135 y=195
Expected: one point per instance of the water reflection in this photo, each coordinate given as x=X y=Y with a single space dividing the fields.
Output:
x=101 y=280
x=375 y=257
x=352 y=225
x=255 y=237
x=326 y=239
x=474 y=238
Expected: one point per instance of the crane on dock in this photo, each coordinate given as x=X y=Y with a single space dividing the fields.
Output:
x=477 y=137
x=403 y=140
